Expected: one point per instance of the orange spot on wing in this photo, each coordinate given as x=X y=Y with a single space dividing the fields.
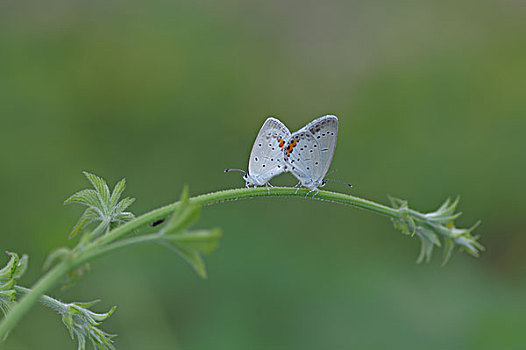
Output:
x=291 y=145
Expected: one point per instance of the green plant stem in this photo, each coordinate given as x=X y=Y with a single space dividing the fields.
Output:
x=95 y=253
x=103 y=244
x=46 y=300
x=246 y=193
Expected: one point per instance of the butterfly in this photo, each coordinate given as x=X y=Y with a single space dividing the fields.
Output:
x=306 y=153
x=267 y=158
x=309 y=151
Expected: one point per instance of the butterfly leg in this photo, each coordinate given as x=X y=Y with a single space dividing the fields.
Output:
x=314 y=195
x=298 y=186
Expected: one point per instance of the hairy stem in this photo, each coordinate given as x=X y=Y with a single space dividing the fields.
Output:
x=245 y=193
x=126 y=242
x=46 y=300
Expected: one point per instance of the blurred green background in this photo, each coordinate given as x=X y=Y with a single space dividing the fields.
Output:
x=431 y=101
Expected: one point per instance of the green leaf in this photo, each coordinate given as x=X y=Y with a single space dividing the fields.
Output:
x=123 y=205
x=7 y=272
x=426 y=250
x=448 y=250
x=99 y=317
x=401 y=226
x=117 y=191
x=451 y=208
x=444 y=206
x=446 y=218
x=13 y=270
x=86 y=304
x=7 y=299
x=21 y=267
x=204 y=241
x=397 y=202
x=186 y=214
x=101 y=207
x=187 y=244
x=6 y=288
x=125 y=216
x=182 y=219
x=103 y=191
x=406 y=225
x=446 y=213
x=470 y=245
x=193 y=258
x=90 y=215
x=430 y=235
x=67 y=319
x=87 y=197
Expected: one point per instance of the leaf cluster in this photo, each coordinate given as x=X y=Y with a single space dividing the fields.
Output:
x=102 y=205
x=430 y=226
x=9 y=274
x=82 y=323
x=189 y=244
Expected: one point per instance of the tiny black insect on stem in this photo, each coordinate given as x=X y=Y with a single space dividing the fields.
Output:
x=158 y=222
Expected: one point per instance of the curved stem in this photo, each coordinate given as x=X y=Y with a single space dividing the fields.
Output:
x=245 y=193
x=102 y=245
x=95 y=253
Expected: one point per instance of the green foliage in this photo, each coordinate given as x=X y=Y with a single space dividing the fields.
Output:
x=116 y=227
x=429 y=226
x=82 y=323
x=102 y=206
x=13 y=270
x=108 y=209
x=189 y=244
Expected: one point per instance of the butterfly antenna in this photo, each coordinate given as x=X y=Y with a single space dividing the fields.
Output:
x=229 y=170
x=338 y=181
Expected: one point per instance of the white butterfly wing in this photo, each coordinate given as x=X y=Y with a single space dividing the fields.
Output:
x=325 y=131
x=302 y=154
x=310 y=150
x=266 y=158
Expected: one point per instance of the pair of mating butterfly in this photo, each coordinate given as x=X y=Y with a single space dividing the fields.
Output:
x=306 y=153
